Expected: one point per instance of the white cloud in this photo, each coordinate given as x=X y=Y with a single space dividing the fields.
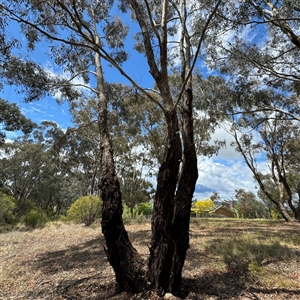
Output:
x=222 y=178
x=228 y=152
x=77 y=81
x=225 y=172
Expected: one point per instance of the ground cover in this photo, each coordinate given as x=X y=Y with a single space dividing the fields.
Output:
x=227 y=259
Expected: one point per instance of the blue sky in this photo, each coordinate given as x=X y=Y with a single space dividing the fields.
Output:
x=223 y=173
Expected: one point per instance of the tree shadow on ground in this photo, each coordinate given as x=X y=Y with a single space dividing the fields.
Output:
x=74 y=257
x=77 y=272
x=220 y=267
x=82 y=271
x=141 y=237
x=219 y=286
x=230 y=286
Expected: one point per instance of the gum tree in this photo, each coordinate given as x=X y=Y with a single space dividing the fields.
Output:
x=276 y=137
x=170 y=36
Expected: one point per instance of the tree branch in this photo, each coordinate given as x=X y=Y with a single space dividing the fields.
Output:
x=197 y=53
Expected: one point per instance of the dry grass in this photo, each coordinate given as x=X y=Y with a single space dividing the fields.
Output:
x=227 y=259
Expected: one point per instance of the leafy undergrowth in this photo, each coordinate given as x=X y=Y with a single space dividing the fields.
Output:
x=227 y=259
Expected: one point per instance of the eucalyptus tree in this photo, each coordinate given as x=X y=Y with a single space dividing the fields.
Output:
x=259 y=47
x=170 y=35
x=59 y=184
x=272 y=189
x=170 y=26
x=11 y=119
x=31 y=169
x=273 y=142
x=21 y=167
x=247 y=205
x=82 y=33
x=135 y=189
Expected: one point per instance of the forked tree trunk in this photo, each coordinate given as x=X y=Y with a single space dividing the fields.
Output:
x=123 y=257
x=171 y=217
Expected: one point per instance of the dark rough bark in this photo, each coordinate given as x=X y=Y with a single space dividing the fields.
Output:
x=184 y=195
x=162 y=244
x=171 y=217
x=123 y=257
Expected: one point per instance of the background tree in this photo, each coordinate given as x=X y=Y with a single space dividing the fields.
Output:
x=31 y=168
x=259 y=49
x=203 y=206
x=247 y=205
x=215 y=197
x=11 y=119
x=276 y=134
x=134 y=189
x=273 y=190
x=21 y=169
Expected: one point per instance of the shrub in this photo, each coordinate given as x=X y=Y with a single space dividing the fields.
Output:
x=64 y=219
x=126 y=216
x=25 y=208
x=276 y=215
x=145 y=209
x=36 y=218
x=201 y=207
x=140 y=218
x=7 y=206
x=85 y=209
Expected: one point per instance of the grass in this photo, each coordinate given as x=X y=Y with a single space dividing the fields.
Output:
x=261 y=251
x=227 y=259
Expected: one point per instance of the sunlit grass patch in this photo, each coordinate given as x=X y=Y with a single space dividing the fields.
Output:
x=270 y=277
x=238 y=252
x=250 y=251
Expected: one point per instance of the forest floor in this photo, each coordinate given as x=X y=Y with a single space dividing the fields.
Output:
x=227 y=259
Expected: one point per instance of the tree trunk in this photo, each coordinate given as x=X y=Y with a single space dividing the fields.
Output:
x=184 y=195
x=171 y=216
x=280 y=205
x=284 y=212
x=123 y=257
x=162 y=244
x=297 y=214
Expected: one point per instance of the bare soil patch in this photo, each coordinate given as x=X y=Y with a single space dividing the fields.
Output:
x=227 y=259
